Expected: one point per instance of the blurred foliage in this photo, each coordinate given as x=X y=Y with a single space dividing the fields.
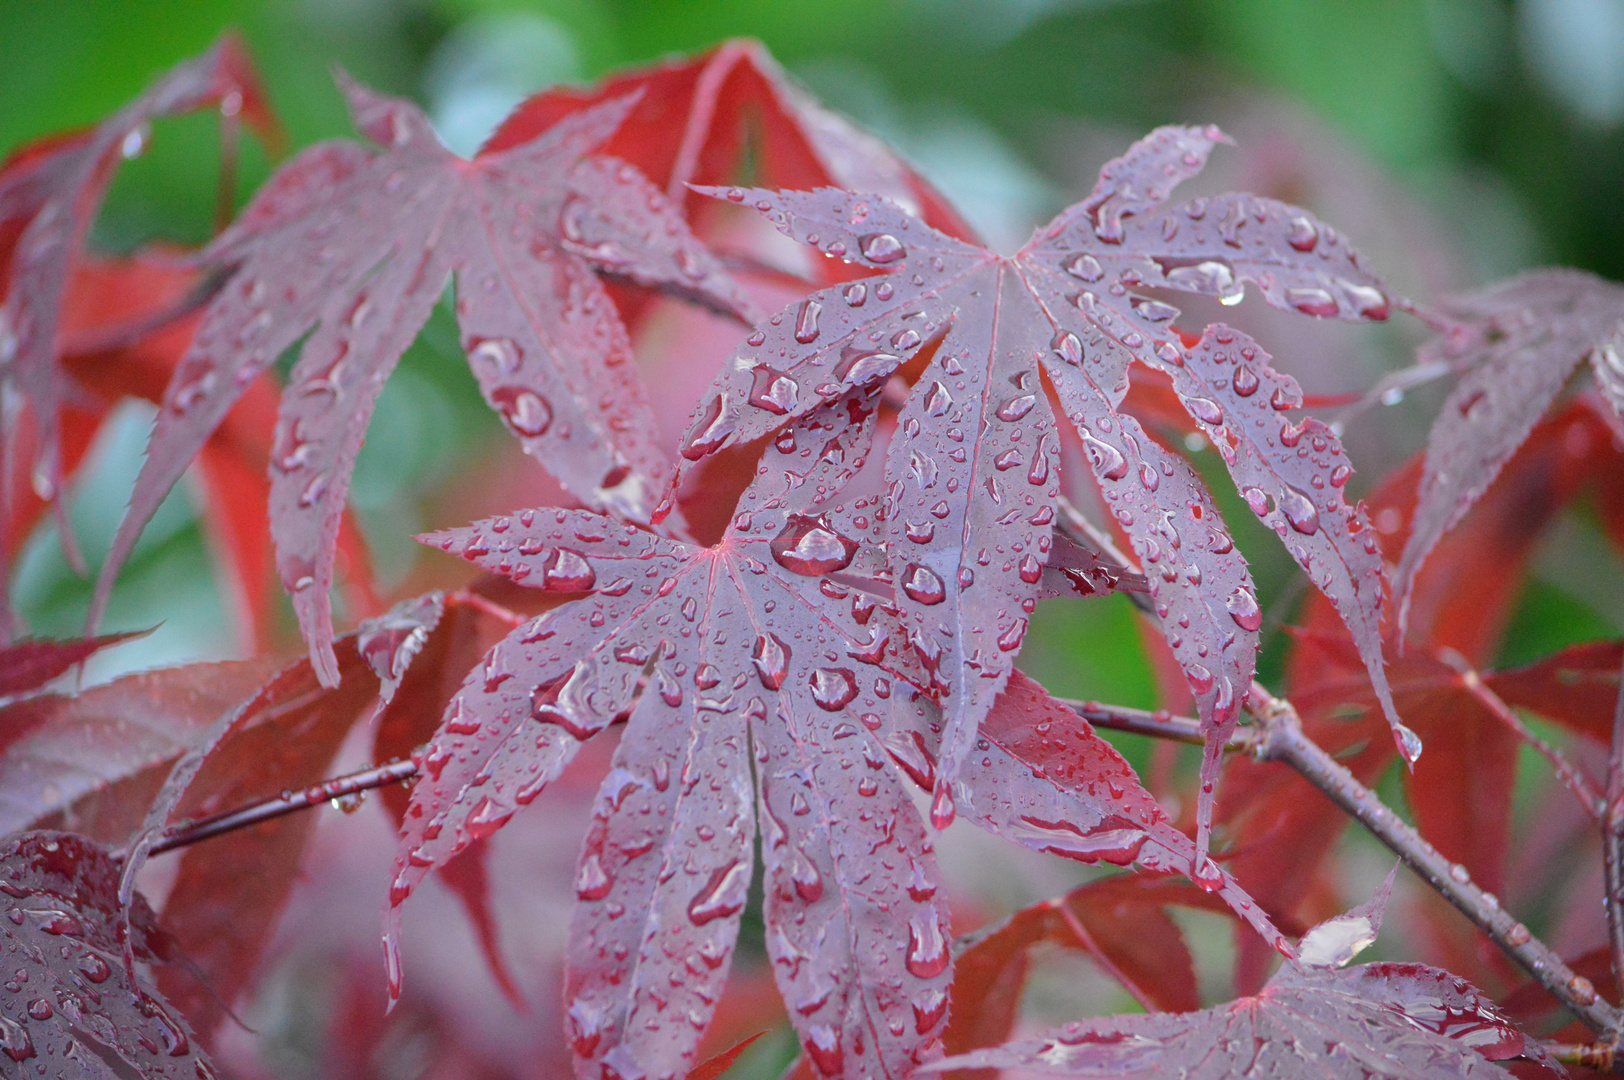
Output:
x=1504 y=122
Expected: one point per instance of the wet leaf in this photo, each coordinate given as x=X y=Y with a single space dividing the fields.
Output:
x=29 y=665
x=1518 y=342
x=710 y=653
x=973 y=478
x=353 y=247
x=74 y=1014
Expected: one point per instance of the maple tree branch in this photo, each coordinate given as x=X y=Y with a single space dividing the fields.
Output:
x=1279 y=736
x=190 y=832
x=1600 y=1056
x=1160 y=724
x=1283 y=739
x=1612 y=841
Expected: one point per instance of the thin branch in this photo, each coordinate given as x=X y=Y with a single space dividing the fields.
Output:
x=1279 y=737
x=1574 y=780
x=191 y=832
x=1159 y=724
x=1612 y=840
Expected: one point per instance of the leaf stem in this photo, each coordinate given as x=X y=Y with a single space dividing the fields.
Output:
x=191 y=832
x=1279 y=736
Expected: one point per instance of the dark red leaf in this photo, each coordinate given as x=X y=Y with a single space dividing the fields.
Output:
x=353 y=247
x=1519 y=341
x=57 y=190
x=692 y=122
x=93 y=762
x=29 y=665
x=1576 y=687
x=1041 y=777
x=713 y=1067
x=230 y=890
x=1120 y=922
x=74 y=1014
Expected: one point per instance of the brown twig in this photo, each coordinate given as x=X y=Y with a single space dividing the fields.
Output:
x=191 y=832
x=1278 y=736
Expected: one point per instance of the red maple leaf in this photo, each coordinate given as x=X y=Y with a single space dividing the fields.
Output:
x=973 y=474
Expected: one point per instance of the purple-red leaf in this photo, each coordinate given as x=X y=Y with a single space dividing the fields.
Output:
x=354 y=247
x=28 y=665
x=972 y=477
x=1292 y=475
x=1520 y=341
x=713 y=652
x=75 y=1014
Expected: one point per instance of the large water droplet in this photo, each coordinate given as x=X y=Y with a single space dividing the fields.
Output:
x=1312 y=301
x=881 y=248
x=1210 y=276
x=922 y=585
x=773 y=390
x=487 y=817
x=524 y=410
x=501 y=354
x=833 y=688
x=808 y=546
x=1084 y=268
x=722 y=896
x=1245 y=381
x=591 y=881
x=568 y=571
x=771 y=656
x=567 y=702
x=805 y=877
x=806 y=321
x=823 y=1047
x=1108 y=460
x=937 y=400
x=1068 y=347
x=1017 y=407
x=858 y=366
x=1204 y=410
x=1301 y=234
x=1243 y=608
x=1409 y=743
x=927 y=947
x=929 y=1009
x=1299 y=510
x=710 y=430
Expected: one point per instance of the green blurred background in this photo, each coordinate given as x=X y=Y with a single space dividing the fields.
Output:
x=1482 y=136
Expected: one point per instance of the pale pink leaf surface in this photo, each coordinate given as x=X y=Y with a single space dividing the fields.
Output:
x=1520 y=341
x=715 y=651
x=76 y=1014
x=1374 y=1022
x=354 y=248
